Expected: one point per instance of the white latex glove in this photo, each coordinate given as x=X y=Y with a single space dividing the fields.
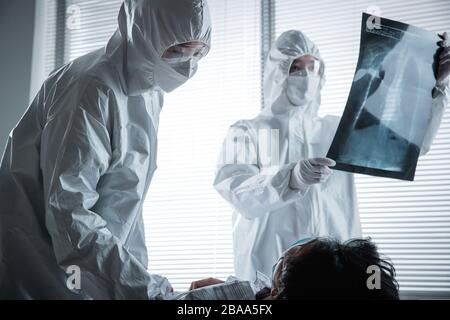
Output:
x=310 y=171
x=443 y=75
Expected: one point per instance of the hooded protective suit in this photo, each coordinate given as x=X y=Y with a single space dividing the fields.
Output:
x=254 y=175
x=78 y=164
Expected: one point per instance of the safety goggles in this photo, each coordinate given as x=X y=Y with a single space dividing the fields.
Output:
x=304 y=67
x=185 y=52
x=280 y=261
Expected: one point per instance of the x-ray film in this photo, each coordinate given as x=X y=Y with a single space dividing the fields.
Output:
x=389 y=106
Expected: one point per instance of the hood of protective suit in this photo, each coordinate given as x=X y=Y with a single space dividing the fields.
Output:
x=147 y=28
x=290 y=46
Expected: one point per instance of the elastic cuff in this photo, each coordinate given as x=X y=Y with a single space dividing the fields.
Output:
x=300 y=188
x=443 y=85
x=440 y=89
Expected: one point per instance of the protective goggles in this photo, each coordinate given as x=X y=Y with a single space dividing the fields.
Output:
x=300 y=242
x=304 y=66
x=185 y=52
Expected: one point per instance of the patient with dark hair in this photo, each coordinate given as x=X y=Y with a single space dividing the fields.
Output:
x=328 y=269
x=320 y=269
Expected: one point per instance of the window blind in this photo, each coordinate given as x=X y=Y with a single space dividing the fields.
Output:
x=49 y=48
x=410 y=221
x=188 y=225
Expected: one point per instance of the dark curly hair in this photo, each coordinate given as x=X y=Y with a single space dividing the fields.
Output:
x=328 y=269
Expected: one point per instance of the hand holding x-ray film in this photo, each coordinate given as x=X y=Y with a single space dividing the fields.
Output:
x=390 y=106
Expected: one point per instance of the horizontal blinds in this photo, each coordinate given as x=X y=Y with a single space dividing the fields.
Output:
x=89 y=25
x=410 y=221
x=188 y=226
x=50 y=36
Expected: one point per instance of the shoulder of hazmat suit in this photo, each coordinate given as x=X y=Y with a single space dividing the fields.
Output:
x=258 y=156
x=79 y=163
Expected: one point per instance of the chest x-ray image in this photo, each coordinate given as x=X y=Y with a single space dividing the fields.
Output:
x=389 y=106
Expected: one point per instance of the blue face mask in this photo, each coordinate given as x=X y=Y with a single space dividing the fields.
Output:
x=300 y=242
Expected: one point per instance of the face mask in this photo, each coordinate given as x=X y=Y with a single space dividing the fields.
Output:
x=169 y=76
x=302 y=89
x=186 y=68
x=295 y=244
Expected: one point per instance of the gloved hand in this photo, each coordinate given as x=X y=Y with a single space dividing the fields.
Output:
x=310 y=171
x=443 y=75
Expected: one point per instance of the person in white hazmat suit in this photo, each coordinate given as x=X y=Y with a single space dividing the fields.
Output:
x=77 y=166
x=272 y=169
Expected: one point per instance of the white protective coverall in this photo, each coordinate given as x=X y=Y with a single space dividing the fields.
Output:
x=77 y=166
x=269 y=216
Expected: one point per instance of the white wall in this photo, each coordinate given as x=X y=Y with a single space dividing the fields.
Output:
x=16 y=37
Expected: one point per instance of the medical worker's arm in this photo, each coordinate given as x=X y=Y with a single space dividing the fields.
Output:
x=242 y=183
x=76 y=151
x=441 y=95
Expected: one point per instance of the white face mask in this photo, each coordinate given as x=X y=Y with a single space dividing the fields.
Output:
x=302 y=89
x=187 y=68
x=171 y=75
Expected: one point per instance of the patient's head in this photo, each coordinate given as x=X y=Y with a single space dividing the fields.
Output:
x=328 y=269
